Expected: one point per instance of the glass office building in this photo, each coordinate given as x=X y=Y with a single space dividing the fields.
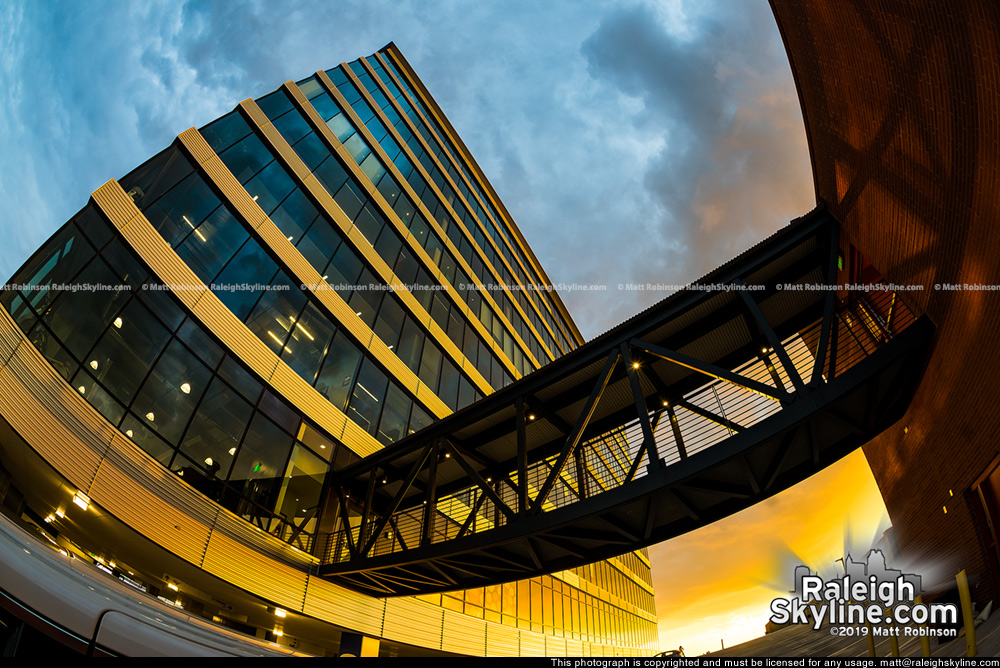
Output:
x=298 y=284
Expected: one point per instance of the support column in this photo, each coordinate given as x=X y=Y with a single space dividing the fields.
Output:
x=356 y=644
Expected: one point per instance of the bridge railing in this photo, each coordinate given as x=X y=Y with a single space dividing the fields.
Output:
x=860 y=323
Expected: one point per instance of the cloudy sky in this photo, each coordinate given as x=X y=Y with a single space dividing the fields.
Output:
x=633 y=141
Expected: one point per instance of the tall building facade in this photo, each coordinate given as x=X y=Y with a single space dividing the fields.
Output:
x=902 y=114
x=298 y=284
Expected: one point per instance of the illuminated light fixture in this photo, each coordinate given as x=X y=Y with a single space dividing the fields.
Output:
x=385 y=480
x=112 y=564
x=321 y=447
x=290 y=238
x=94 y=365
x=945 y=508
x=64 y=553
x=255 y=197
x=60 y=513
x=171 y=585
x=489 y=479
x=358 y=314
x=906 y=430
x=181 y=473
x=666 y=403
x=763 y=350
x=531 y=416
x=151 y=416
x=325 y=277
x=118 y=323
x=186 y=388
x=635 y=365
x=951 y=493
x=447 y=455
x=208 y=460
x=50 y=518
x=232 y=451
x=82 y=389
x=81 y=500
x=271 y=334
x=390 y=347
x=374 y=398
x=129 y=433
x=197 y=232
x=304 y=330
x=277 y=633
x=278 y=612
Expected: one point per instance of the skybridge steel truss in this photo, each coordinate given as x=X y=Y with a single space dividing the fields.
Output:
x=701 y=406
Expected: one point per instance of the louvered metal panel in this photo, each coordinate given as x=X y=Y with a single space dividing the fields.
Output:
x=246 y=567
x=463 y=634
x=502 y=640
x=138 y=504
x=413 y=621
x=532 y=644
x=332 y=603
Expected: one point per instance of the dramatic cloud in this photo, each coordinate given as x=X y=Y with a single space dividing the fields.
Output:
x=631 y=143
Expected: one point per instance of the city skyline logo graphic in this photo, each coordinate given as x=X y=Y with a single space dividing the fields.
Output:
x=870 y=598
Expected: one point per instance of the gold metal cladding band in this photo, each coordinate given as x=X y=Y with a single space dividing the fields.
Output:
x=507 y=220
x=458 y=193
x=127 y=483
x=301 y=176
x=412 y=243
x=437 y=193
x=202 y=303
x=304 y=272
x=404 y=184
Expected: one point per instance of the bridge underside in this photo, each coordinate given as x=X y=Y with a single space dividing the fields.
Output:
x=714 y=399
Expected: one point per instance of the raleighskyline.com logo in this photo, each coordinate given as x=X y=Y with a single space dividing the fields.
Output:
x=868 y=598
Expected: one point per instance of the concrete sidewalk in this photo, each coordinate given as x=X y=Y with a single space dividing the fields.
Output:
x=804 y=641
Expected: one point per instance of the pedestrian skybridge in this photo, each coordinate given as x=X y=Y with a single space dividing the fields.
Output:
x=715 y=398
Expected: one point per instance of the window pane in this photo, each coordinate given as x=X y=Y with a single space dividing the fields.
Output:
x=292 y=126
x=213 y=243
x=127 y=351
x=270 y=186
x=226 y=131
x=260 y=462
x=325 y=106
x=301 y=488
x=217 y=429
x=79 y=318
x=430 y=365
x=320 y=244
x=182 y=209
x=273 y=317
x=237 y=285
x=169 y=396
x=395 y=416
x=294 y=215
x=341 y=365
x=311 y=335
x=410 y=342
x=389 y=321
x=367 y=398
x=246 y=158
x=312 y=150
